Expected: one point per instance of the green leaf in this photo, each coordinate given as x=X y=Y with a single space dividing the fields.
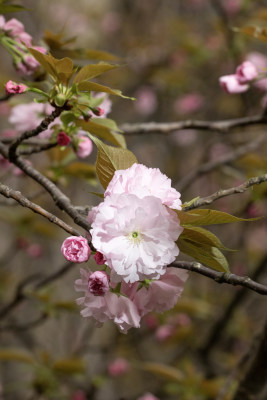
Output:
x=100 y=55
x=163 y=371
x=202 y=236
x=99 y=129
x=47 y=62
x=16 y=355
x=64 y=70
x=207 y=255
x=69 y=366
x=111 y=159
x=207 y=217
x=92 y=86
x=92 y=70
x=14 y=8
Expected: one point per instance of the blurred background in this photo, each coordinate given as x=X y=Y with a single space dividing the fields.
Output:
x=172 y=55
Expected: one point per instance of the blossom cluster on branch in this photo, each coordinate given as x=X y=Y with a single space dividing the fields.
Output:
x=134 y=231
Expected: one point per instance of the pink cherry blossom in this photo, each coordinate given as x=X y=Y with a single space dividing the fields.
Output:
x=63 y=139
x=148 y=396
x=146 y=101
x=189 y=103
x=232 y=7
x=111 y=306
x=260 y=61
x=84 y=147
x=24 y=38
x=28 y=116
x=99 y=258
x=98 y=283
x=118 y=367
x=143 y=181
x=164 y=332
x=2 y=22
x=14 y=27
x=161 y=295
x=35 y=250
x=76 y=249
x=15 y=88
x=231 y=84
x=246 y=72
x=135 y=235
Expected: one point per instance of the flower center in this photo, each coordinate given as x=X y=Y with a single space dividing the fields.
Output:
x=135 y=237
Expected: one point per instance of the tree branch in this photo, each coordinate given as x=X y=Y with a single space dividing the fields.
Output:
x=254 y=381
x=218 y=328
x=221 y=277
x=12 y=153
x=203 y=201
x=22 y=200
x=226 y=159
x=168 y=127
x=20 y=294
x=61 y=200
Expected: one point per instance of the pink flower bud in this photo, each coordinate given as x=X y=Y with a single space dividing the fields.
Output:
x=14 y=27
x=98 y=111
x=231 y=84
x=40 y=49
x=246 y=72
x=24 y=38
x=118 y=367
x=99 y=258
x=2 y=22
x=35 y=250
x=15 y=88
x=164 y=332
x=98 y=283
x=76 y=249
x=63 y=139
x=85 y=147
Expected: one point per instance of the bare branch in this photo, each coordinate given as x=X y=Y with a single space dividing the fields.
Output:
x=20 y=294
x=218 y=328
x=226 y=159
x=12 y=154
x=22 y=200
x=222 y=277
x=254 y=381
x=203 y=201
x=168 y=127
x=61 y=200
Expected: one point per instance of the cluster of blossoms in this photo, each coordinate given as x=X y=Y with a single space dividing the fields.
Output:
x=16 y=41
x=27 y=116
x=134 y=231
x=239 y=82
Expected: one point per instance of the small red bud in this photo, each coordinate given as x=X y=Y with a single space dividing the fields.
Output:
x=63 y=139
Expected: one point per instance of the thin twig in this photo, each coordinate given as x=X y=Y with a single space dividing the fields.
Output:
x=224 y=160
x=222 y=277
x=168 y=127
x=218 y=328
x=12 y=153
x=22 y=200
x=203 y=201
x=20 y=294
x=60 y=199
